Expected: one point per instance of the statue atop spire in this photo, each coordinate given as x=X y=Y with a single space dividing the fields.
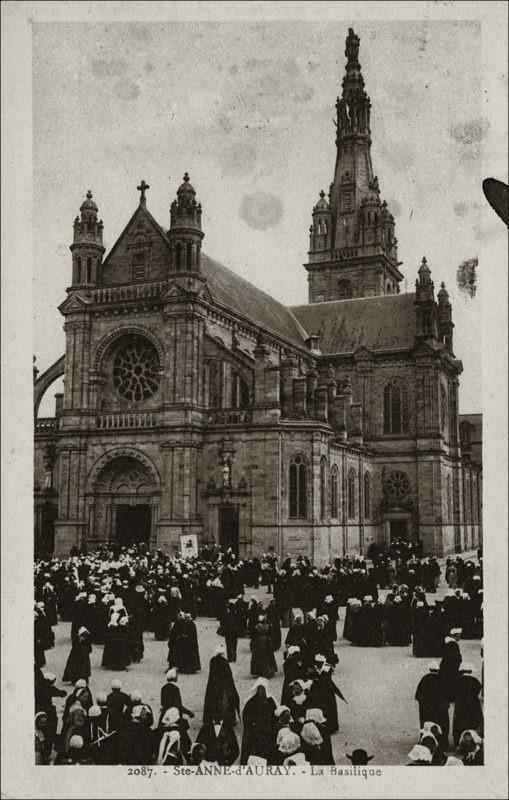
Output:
x=352 y=49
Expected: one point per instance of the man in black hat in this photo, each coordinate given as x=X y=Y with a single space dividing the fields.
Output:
x=359 y=757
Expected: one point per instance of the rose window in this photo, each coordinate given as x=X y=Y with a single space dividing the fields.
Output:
x=136 y=369
x=397 y=486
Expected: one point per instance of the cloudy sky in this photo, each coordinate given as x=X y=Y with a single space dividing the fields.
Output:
x=247 y=110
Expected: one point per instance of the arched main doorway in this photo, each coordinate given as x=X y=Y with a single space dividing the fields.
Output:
x=123 y=503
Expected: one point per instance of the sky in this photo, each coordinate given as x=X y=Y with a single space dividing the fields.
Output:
x=247 y=109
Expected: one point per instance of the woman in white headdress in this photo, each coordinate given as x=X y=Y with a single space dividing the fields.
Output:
x=169 y=753
x=258 y=721
x=471 y=750
x=468 y=713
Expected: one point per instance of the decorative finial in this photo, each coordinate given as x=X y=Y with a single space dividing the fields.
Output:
x=322 y=194
x=143 y=188
x=89 y=194
x=186 y=177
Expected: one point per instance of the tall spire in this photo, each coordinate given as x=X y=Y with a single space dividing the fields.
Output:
x=360 y=245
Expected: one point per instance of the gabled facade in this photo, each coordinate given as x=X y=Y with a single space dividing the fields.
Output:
x=196 y=403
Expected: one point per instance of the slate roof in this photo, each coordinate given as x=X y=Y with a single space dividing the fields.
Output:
x=238 y=294
x=386 y=322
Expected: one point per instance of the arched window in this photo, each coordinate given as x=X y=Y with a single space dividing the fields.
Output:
x=466 y=430
x=351 y=493
x=388 y=288
x=189 y=256
x=396 y=408
x=449 y=499
x=334 y=493
x=89 y=270
x=344 y=289
x=78 y=269
x=178 y=253
x=298 y=489
x=240 y=392
x=367 y=495
x=215 y=383
x=323 y=484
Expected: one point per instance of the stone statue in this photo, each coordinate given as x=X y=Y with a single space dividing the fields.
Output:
x=352 y=47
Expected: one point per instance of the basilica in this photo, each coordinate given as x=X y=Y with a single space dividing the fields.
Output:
x=197 y=408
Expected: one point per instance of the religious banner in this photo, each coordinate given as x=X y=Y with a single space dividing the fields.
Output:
x=189 y=545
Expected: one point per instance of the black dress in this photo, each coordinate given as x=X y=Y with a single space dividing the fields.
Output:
x=221 y=696
x=263 y=663
x=468 y=714
x=78 y=661
x=258 y=721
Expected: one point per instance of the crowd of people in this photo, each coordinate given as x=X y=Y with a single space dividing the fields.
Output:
x=115 y=597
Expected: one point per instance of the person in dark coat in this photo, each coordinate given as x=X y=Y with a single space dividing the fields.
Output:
x=183 y=652
x=81 y=695
x=161 y=617
x=313 y=744
x=172 y=720
x=323 y=693
x=468 y=713
x=299 y=702
x=171 y=697
x=451 y=661
x=230 y=629
x=118 y=704
x=398 y=623
x=350 y=627
x=136 y=742
x=421 y=631
x=169 y=750
x=258 y=722
x=293 y=668
x=221 y=696
x=296 y=636
x=263 y=663
x=78 y=661
x=316 y=716
x=220 y=741
x=433 y=698
x=253 y=614
x=44 y=702
x=115 y=652
x=275 y=624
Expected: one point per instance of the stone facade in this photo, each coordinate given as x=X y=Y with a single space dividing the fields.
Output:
x=195 y=403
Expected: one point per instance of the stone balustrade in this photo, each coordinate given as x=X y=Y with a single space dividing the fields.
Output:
x=46 y=425
x=139 y=419
x=117 y=294
x=229 y=416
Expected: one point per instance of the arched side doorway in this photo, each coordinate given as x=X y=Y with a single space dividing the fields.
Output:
x=123 y=503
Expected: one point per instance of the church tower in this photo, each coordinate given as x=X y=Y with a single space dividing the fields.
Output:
x=353 y=248
x=87 y=247
x=185 y=232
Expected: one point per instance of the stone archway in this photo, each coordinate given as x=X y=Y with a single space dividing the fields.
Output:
x=123 y=500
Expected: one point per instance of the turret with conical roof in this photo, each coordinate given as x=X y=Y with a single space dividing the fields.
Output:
x=87 y=246
x=185 y=231
x=360 y=256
